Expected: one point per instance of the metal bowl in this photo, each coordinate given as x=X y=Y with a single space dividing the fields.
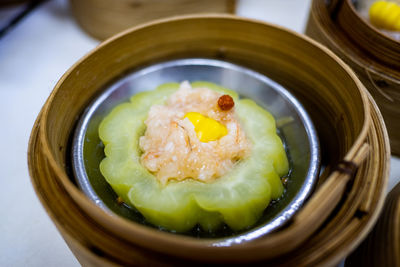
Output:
x=294 y=126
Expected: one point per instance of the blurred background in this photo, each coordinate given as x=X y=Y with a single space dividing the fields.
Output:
x=39 y=41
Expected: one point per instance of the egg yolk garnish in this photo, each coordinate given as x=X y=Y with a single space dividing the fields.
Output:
x=206 y=129
x=385 y=15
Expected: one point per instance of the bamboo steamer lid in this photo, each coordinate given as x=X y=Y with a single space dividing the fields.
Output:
x=374 y=56
x=354 y=144
x=102 y=19
x=382 y=246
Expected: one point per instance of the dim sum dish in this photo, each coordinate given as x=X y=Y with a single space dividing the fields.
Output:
x=198 y=158
x=215 y=177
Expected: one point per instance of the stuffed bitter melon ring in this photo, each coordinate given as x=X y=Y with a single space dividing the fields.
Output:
x=236 y=198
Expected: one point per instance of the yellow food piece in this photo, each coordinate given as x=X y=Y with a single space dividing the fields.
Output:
x=237 y=198
x=385 y=15
x=206 y=129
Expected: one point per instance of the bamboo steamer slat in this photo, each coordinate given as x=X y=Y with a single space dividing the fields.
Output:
x=374 y=56
x=382 y=246
x=350 y=130
x=102 y=19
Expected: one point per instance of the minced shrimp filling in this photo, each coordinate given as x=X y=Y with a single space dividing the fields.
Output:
x=171 y=148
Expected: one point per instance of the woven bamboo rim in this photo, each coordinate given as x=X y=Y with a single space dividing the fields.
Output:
x=382 y=246
x=123 y=242
x=372 y=55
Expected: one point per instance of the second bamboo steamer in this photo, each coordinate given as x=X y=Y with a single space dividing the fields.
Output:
x=373 y=55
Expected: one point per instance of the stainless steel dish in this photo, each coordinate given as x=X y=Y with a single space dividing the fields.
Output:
x=294 y=126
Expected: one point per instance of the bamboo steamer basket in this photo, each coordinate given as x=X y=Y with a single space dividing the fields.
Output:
x=354 y=145
x=101 y=18
x=373 y=55
x=382 y=246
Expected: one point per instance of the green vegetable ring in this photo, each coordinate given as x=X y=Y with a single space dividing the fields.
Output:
x=237 y=198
